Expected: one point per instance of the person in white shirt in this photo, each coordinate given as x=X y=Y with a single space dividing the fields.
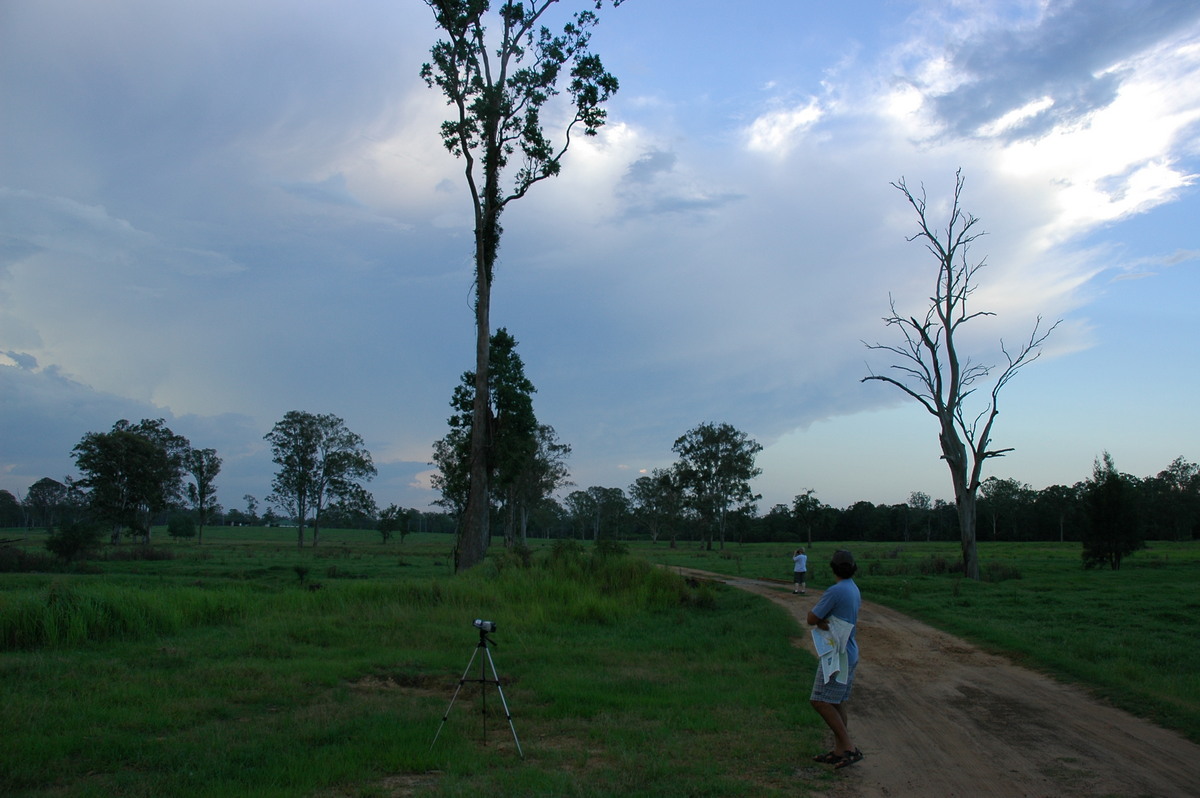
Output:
x=799 y=572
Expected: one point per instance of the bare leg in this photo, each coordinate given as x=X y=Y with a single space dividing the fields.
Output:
x=834 y=717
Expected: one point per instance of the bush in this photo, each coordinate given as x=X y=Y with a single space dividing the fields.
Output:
x=181 y=526
x=611 y=548
x=566 y=550
x=74 y=540
x=16 y=560
x=517 y=555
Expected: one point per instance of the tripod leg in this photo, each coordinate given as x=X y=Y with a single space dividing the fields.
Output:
x=455 y=696
x=503 y=702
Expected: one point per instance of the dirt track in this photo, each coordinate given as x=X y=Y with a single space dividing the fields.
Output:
x=938 y=717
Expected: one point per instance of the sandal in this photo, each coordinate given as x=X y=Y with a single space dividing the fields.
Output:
x=828 y=759
x=848 y=759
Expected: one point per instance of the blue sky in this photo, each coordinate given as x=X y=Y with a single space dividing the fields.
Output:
x=218 y=212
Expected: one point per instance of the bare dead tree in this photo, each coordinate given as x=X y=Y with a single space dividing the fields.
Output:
x=930 y=368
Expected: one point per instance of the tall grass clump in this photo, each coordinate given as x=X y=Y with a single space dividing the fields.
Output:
x=69 y=613
x=604 y=585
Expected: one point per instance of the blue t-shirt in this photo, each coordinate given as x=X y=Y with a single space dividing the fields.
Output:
x=800 y=562
x=842 y=600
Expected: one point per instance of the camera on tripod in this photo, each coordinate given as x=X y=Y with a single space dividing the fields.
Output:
x=484 y=641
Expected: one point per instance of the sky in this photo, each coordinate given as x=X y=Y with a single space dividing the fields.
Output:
x=217 y=212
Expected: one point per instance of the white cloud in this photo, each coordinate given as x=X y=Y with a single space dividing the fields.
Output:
x=1016 y=117
x=775 y=132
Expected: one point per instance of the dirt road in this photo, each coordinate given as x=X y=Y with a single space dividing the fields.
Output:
x=939 y=718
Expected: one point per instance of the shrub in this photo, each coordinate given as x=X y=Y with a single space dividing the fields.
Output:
x=611 y=548
x=17 y=560
x=74 y=540
x=565 y=550
x=516 y=556
x=181 y=525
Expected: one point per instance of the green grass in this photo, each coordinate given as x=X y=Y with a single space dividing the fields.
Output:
x=1130 y=636
x=220 y=672
x=249 y=667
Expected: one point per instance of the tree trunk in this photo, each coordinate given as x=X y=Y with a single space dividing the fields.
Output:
x=472 y=543
x=966 y=526
x=510 y=518
x=301 y=511
x=955 y=454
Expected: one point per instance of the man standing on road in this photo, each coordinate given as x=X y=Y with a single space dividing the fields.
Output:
x=837 y=612
x=799 y=572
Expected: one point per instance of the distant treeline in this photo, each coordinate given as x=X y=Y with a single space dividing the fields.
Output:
x=1166 y=506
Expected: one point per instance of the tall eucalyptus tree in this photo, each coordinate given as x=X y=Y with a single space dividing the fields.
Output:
x=498 y=83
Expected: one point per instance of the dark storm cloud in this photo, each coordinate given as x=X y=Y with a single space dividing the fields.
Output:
x=1069 y=57
x=652 y=186
x=653 y=163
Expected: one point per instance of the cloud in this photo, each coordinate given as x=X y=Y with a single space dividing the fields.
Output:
x=775 y=131
x=649 y=166
x=1025 y=79
x=223 y=211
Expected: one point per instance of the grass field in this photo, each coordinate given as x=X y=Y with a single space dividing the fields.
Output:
x=249 y=667
x=221 y=672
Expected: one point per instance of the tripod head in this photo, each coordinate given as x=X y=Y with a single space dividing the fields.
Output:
x=485 y=628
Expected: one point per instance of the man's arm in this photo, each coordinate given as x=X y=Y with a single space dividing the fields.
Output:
x=813 y=620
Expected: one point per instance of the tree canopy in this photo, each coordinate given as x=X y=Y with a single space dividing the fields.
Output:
x=131 y=473
x=657 y=502
x=320 y=460
x=716 y=464
x=1111 y=532
x=203 y=465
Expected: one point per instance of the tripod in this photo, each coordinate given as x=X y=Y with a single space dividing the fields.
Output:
x=484 y=642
